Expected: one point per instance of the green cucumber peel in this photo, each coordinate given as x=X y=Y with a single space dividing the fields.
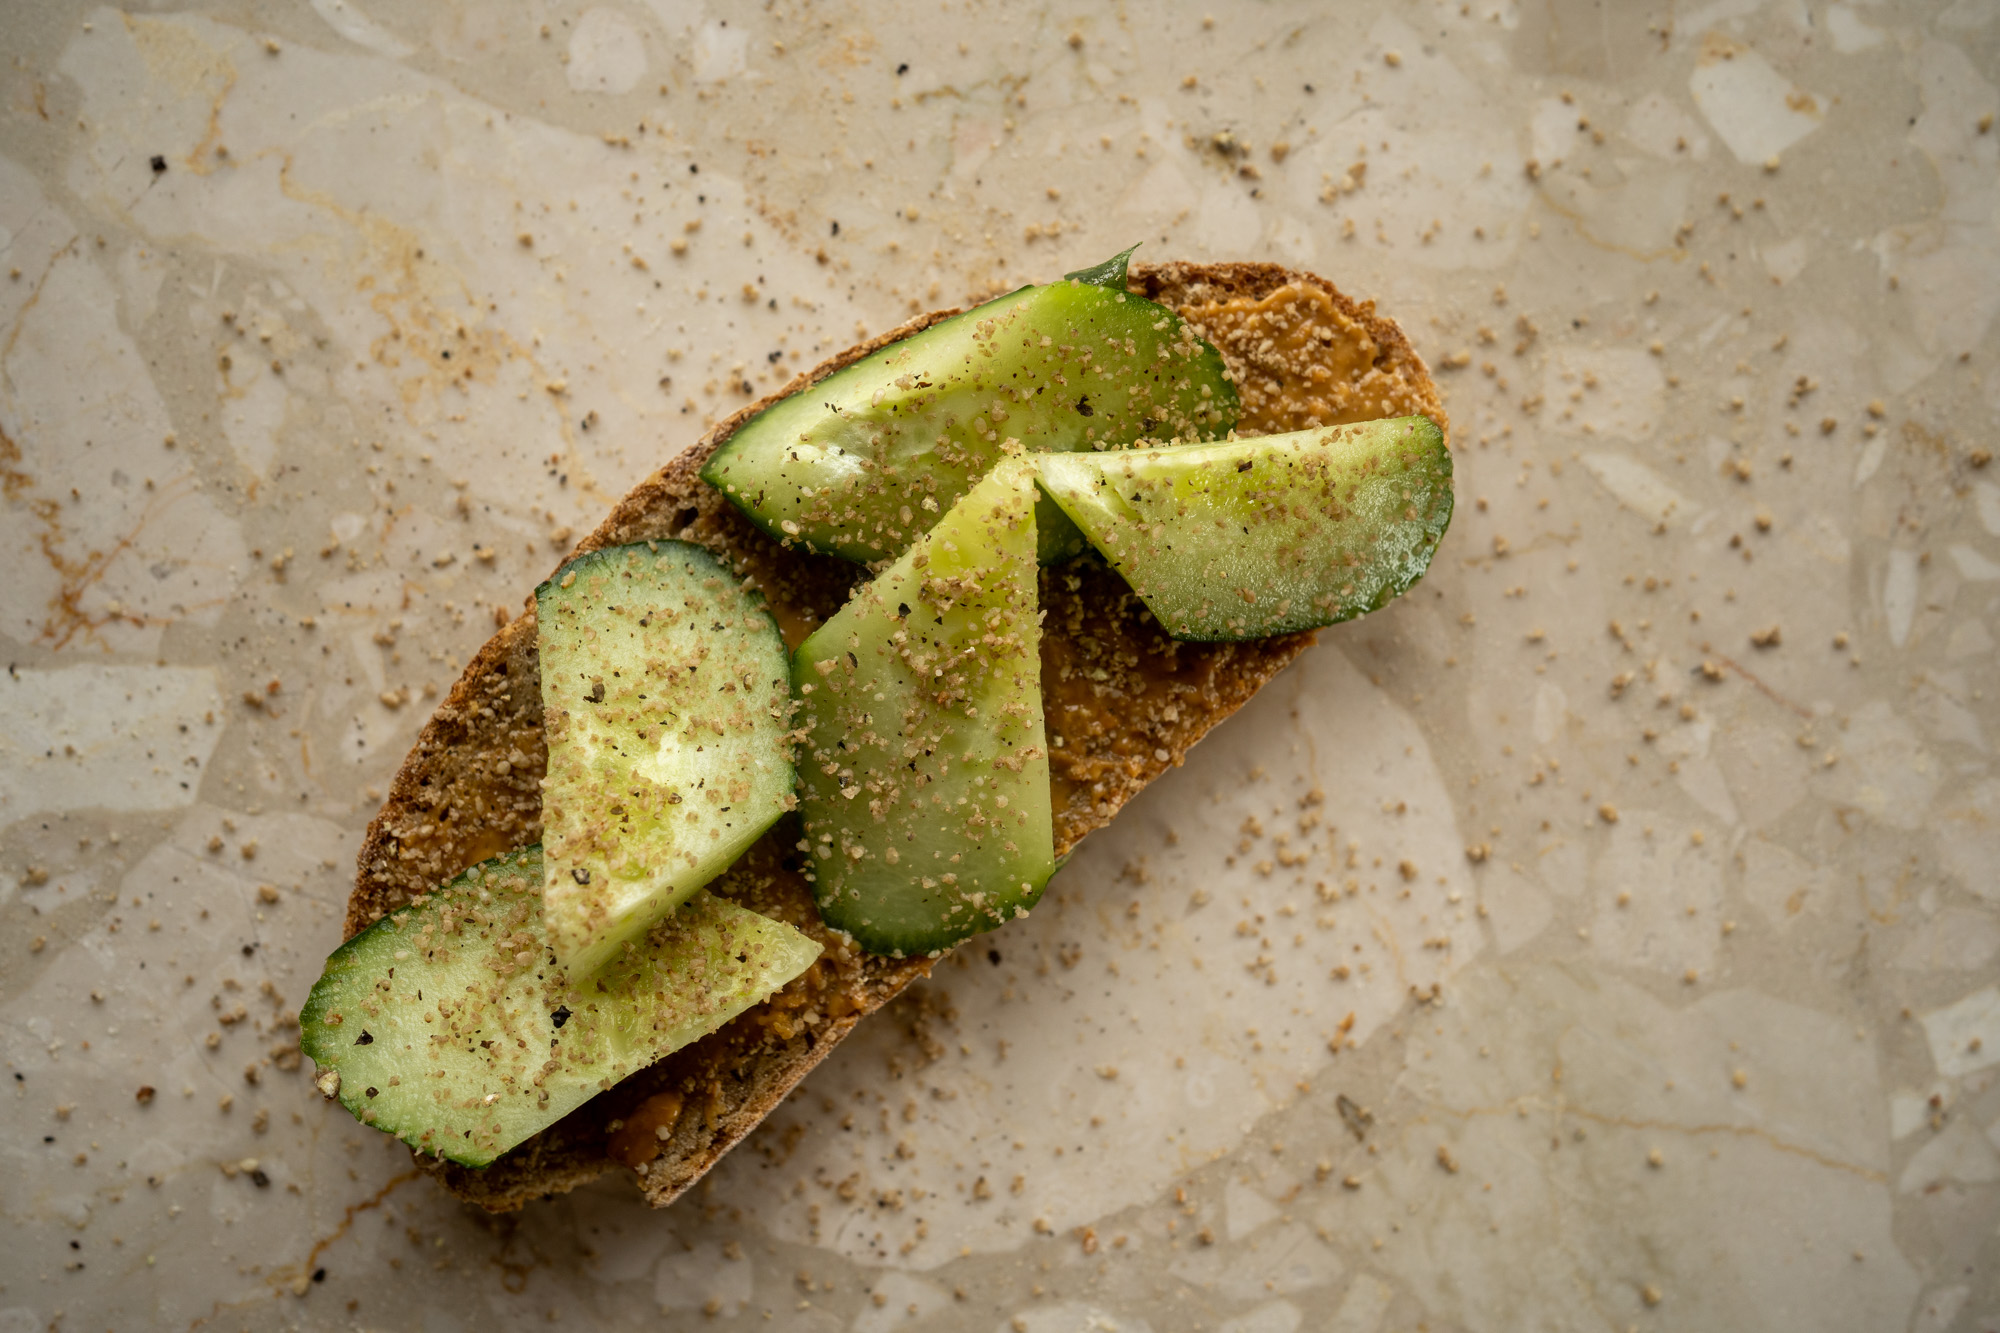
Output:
x=1250 y=538
x=924 y=771
x=1110 y=273
x=864 y=461
x=449 y=1024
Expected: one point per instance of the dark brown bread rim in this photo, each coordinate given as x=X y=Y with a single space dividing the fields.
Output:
x=471 y=787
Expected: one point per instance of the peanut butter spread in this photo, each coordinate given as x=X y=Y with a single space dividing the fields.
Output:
x=1123 y=702
x=1300 y=362
x=635 y=1140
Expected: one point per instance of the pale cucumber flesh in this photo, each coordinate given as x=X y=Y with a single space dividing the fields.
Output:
x=863 y=462
x=449 y=1023
x=665 y=698
x=1250 y=538
x=924 y=772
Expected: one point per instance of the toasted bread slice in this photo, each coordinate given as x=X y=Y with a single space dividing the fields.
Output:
x=1123 y=703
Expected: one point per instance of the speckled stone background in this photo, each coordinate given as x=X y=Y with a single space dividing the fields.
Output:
x=1603 y=937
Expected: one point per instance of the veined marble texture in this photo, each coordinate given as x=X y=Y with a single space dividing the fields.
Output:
x=1604 y=936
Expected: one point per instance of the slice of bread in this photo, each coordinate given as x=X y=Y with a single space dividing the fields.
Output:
x=1123 y=703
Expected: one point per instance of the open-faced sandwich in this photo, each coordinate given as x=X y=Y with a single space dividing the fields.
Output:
x=841 y=686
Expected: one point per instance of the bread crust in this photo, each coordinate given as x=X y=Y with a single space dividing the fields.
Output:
x=1123 y=701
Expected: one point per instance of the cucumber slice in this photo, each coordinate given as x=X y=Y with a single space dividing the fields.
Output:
x=865 y=460
x=450 y=1025
x=1258 y=537
x=924 y=783
x=666 y=696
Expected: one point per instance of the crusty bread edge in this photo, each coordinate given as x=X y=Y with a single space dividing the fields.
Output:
x=640 y=511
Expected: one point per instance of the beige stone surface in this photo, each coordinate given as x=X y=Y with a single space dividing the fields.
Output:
x=1622 y=974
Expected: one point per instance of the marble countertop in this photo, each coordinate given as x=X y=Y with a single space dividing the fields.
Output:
x=1606 y=936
